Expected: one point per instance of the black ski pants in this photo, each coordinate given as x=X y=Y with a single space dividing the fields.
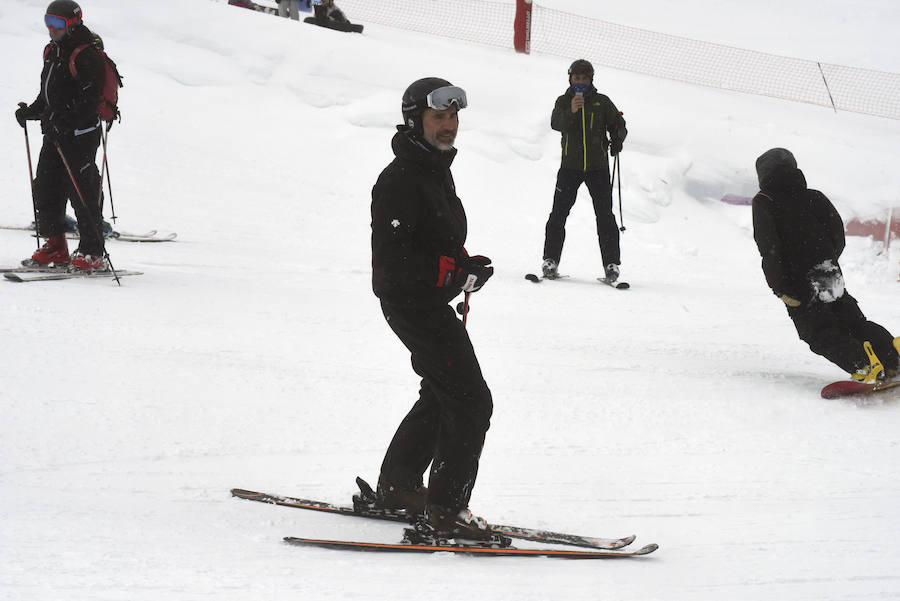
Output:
x=567 y=183
x=53 y=189
x=446 y=426
x=837 y=331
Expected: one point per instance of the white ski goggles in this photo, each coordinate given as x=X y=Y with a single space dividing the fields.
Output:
x=442 y=98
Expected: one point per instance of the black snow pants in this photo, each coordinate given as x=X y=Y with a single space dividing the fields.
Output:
x=53 y=188
x=837 y=331
x=447 y=425
x=567 y=183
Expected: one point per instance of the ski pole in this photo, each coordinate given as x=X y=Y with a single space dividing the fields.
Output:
x=463 y=308
x=105 y=167
x=97 y=229
x=31 y=180
x=466 y=308
x=618 y=167
x=612 y=181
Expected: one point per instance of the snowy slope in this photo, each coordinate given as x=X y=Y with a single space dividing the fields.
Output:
x=252 y=352
x=844 y=32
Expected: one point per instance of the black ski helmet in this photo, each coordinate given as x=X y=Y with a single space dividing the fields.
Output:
x=582 y=67
x=67 y=9
x=415 y=100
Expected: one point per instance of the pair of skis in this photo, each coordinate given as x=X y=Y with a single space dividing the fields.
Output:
x=589 y=547
x=109 y=234
x=617 y=284
x=22 y=275
x=150 y=236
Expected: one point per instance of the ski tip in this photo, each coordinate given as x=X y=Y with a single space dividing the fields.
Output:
x=625 y=541
x=646 y=549
x=617 y=285
x=532 y=278
x=13 y=277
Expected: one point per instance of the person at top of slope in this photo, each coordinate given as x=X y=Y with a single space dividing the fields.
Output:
x=584 y=117
x=419 y=264
x=800 y=237
x=67 y=107
x=327 y=14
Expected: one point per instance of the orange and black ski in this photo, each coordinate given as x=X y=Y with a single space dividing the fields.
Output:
x=477 y=550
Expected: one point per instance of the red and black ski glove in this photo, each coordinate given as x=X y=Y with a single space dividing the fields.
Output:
x=469 y=275
x=473 y=273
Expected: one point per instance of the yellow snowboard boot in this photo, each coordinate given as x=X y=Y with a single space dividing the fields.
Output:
x=875 y=371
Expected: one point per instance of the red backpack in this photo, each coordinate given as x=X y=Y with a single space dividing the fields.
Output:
x=108 y=108
x=109 y=97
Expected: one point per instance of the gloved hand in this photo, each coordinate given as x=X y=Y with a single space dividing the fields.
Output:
x=790 y=301
x=577 y=103
x=615 y=147
x=473 y=273
x=23 y=114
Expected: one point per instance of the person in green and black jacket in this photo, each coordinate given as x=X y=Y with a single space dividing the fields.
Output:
x=585 y=117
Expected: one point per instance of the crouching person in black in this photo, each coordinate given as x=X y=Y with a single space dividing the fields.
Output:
x=800 y=237
x=419 y=265
x=327 y=14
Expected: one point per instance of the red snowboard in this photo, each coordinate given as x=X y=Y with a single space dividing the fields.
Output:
x=846 y=388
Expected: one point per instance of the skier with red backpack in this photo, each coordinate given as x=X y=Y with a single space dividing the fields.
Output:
x=78 y=93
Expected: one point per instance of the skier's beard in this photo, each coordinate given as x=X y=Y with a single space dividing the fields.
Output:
x=442 y=140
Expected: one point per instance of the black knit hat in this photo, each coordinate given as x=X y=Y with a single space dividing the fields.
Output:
x=582 y=67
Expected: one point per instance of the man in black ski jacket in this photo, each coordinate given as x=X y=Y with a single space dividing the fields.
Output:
x=800 y=237
x=584 y=117
x=419 y=264
x=67 y=107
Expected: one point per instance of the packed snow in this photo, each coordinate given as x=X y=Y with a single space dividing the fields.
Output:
x=252 y=353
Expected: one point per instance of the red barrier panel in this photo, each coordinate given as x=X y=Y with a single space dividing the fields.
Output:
x=879 y=229
x=522 y=27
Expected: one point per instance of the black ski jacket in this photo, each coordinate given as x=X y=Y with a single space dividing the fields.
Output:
x=796 y=229
x=418 y=226
x=592 y=123
x=64 y=103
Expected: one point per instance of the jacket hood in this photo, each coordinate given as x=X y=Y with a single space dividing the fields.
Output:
x=785 y=182
x=772 y=162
